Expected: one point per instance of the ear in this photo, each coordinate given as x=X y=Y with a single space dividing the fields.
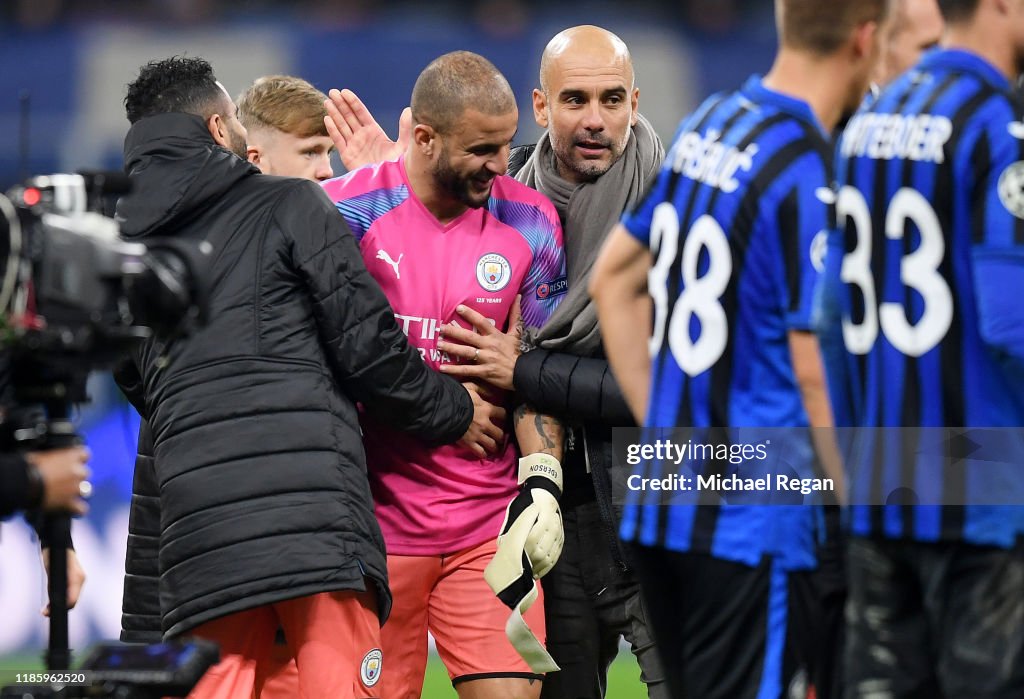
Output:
x=253 y=155
x=634 y=100
x=865 y=39
x=219 y=130
x=540 y=108
x=424 y=137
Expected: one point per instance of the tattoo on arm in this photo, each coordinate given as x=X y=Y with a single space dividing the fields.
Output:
x=548 y=429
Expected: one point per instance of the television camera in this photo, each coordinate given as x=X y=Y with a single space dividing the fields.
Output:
x=74 y=298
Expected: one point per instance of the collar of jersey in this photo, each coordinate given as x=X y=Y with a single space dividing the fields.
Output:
x=965 y=61
x=756 y=92
x=443 y=227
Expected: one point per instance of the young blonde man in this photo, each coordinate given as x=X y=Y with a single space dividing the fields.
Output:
x=284 y=117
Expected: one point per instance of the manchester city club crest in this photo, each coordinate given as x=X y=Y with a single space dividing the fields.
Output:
x=493 y=272
x=369 y=670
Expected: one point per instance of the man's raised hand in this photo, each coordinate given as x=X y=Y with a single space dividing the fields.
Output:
x=356 y=134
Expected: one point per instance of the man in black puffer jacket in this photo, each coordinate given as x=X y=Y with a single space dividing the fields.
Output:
x=265 y=511
x=287 y=114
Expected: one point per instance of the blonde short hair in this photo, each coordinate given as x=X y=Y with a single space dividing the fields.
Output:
x=284 y=103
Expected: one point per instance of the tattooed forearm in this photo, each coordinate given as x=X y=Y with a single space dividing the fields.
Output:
x=537 y=433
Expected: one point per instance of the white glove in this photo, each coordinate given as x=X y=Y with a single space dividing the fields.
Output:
x=529 y=545
x=531 y=536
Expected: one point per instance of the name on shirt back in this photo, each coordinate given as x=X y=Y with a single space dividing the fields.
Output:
x=916 y=137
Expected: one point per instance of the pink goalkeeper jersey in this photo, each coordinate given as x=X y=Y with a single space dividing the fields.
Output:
x=432 y=501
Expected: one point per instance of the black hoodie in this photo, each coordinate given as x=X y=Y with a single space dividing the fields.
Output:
x=259 y=465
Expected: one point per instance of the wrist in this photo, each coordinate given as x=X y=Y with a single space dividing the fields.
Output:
x=541 y=467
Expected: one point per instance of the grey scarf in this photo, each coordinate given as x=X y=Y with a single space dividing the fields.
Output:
x=588 y=211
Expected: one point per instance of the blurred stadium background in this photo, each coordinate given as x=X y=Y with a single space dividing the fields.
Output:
x=64 y=65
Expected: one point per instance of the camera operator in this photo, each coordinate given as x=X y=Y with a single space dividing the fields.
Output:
x=45 y=481
x=52 y=480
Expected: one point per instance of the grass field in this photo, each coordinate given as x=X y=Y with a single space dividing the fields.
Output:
x=623 y=679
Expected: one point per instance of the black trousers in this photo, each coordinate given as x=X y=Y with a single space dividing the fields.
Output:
x=934 y=621
x=730 y=631
x=589 y=603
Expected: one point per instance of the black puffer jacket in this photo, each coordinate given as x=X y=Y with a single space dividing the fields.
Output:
x=582 y=391
x=517 y=158
x=258 y=457
x=140 y=607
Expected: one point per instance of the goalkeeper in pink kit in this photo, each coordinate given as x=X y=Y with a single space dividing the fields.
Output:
x=447 y=235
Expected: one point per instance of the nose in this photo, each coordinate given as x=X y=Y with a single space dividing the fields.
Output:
x=592 y=118
x=324 y=171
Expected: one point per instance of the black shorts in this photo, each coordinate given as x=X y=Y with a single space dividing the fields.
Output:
x=729 y=631
x=935 y=621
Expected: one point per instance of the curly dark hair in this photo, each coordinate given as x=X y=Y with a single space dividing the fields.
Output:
x=175 y=84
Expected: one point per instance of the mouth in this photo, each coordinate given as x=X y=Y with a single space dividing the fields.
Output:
x=481 y=184
x=591 y=149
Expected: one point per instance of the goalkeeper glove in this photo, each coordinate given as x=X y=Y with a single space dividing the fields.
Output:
x=531 y=536
x=528 y=547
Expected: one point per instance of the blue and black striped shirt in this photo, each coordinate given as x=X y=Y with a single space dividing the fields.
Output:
x=731 y=221
x=928 y=262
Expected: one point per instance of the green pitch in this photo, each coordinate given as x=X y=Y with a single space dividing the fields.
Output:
x=623 y=678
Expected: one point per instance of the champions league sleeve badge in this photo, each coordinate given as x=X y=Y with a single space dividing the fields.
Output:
x=1011 y=189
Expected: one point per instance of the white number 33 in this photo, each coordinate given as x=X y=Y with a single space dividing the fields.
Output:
x=918 y=271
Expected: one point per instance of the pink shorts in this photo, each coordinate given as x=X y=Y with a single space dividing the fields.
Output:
x=448 y=596
x=333 y=638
